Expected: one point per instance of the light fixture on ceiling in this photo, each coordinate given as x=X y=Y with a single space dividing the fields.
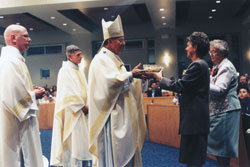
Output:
x=73 y=29
x=162 y=9
x=52 y=17
x=106 y=8
x=31 y=29
x=218 y=1
x=213 y=10
x=210 y=17
x=163 y=17
x=65 y=24
x=18 y=23
x=112 y=16
x=1 y=17
x=164 y=24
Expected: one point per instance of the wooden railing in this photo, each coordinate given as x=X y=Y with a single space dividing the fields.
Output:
x=163 y=124
x=166 y=100
x=163 y=127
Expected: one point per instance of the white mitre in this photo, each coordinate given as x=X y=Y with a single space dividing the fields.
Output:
x=112 y=29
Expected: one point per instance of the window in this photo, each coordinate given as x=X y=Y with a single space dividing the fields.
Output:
x=151 y=56
x=56 y=49
x=43 y=50
x=134 y=44
x=151 y=51
x=35 y=50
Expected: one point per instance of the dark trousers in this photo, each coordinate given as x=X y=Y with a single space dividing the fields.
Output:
x=193 y=149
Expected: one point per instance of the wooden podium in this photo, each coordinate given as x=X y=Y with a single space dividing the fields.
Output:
x=46 y=115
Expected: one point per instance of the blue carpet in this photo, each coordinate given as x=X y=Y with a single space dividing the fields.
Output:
x=153 y=154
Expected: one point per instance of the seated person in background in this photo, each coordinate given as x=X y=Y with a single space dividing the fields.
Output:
x=144 y=87
x=46 y=87
x=245 y=112
x=53 y=97
x=53 y=89
x=45 y=98
x=242 y=83
x=154 y=90
x=247 y=77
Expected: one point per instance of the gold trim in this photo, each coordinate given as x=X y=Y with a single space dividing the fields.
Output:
x=82 y=85
x=69 y=99
x=28 y=75
x=17 y=109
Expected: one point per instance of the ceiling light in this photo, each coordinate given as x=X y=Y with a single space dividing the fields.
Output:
x=65 y=24
x=31 y=29
x=210 y=17
x=164 y=24
x=162 y=9
x=106 y=8
x=163 y=17
x=213 y=10
x=1 y=17
x=73 y=29
x=218 y=1
x=18 y=23
x=52 y=17
x=112 y=16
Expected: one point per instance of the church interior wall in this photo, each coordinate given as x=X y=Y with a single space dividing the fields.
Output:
x=132 y=56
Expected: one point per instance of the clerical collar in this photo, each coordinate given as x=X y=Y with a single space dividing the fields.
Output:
x=73 y=65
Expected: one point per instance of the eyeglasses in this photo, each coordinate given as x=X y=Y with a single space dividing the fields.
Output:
x=120 y=40
x=213 y=52
x=24 y=35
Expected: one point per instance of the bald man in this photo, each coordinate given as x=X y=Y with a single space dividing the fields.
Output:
x=18 y=108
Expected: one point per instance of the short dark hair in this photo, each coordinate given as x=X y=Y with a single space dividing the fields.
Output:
x=71 y=49
x=202 y=41
x=244 y=87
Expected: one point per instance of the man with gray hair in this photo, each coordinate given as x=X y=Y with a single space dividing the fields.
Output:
x=18 y=108
x=70 y=128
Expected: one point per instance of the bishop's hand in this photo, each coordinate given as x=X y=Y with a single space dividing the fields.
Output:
x=138 y=73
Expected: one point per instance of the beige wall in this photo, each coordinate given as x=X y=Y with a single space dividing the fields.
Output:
x=134 y=56
x=54 y=61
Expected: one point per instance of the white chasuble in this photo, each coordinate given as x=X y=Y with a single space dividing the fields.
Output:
x=113 y=97
x=70 y=127
x=18 y=112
